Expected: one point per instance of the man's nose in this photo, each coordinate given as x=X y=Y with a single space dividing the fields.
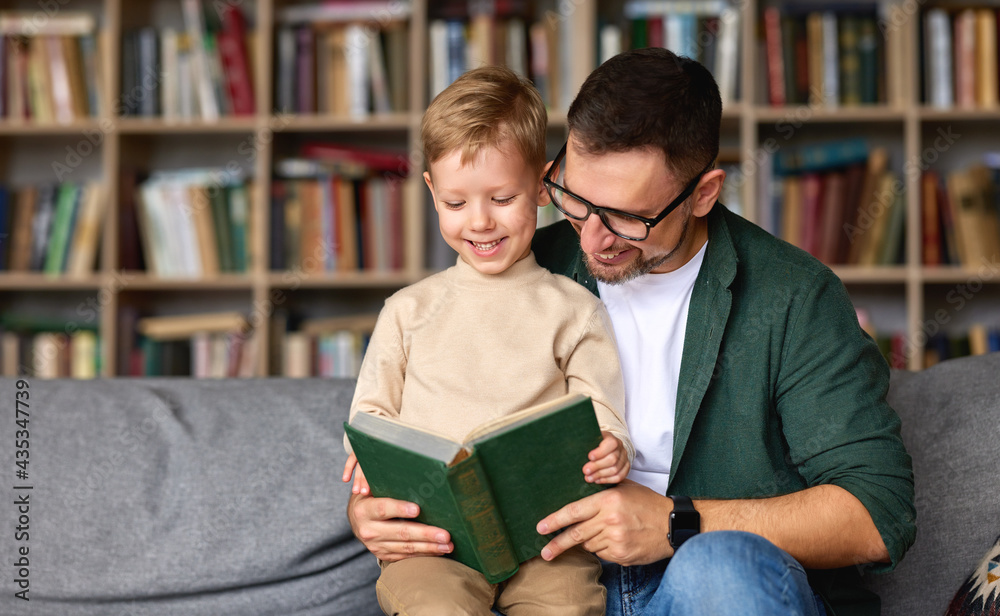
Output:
x=594 y=236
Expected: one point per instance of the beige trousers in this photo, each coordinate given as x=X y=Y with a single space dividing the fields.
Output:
x=437 y=586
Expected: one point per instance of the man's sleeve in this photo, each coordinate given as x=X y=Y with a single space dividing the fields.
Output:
x=840 y=430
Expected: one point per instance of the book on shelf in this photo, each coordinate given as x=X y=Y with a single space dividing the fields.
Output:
x=840 y=202
x=53 y=228
x=708 y=32
x=328 y=347
x=490 y=490
x=203 y=345
x=959 y=57
x=833 y=55
x=338 y=209
x=330 y=61
x=193 y=223
x=49 y=68
x=48 y=348
x=202 y=71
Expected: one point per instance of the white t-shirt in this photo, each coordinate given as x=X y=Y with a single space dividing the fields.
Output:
x=649 y=316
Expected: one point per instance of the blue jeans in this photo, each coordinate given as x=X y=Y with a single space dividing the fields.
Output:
x=722 y=572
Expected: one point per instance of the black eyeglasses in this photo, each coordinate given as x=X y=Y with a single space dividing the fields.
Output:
x=624 y=225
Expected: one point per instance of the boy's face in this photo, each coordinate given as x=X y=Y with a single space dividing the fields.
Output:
x=487 y=209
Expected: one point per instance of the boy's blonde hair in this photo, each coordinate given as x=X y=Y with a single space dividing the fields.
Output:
x=486 y=107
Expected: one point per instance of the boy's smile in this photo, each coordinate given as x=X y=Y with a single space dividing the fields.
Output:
x=487 y=208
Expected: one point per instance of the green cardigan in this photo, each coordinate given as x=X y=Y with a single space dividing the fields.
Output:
x=779 y=389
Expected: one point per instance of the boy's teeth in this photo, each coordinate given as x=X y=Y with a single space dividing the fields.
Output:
x=485 y=246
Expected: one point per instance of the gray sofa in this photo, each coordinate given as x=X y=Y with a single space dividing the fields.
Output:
x=174 y=496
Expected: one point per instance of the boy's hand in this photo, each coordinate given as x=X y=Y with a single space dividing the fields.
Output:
x=608 y=462
x=360 y=483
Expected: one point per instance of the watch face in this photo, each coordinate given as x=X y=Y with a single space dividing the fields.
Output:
x=683 y=526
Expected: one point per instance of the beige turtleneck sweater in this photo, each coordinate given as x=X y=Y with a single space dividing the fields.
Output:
x=460 y=348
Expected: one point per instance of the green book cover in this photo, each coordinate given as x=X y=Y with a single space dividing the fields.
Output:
x=238 y=201
x=223 y=227
x=62 y=228
x=490 y=491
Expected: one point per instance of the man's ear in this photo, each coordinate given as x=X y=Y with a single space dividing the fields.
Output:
x=707 y=192
x=543 y=198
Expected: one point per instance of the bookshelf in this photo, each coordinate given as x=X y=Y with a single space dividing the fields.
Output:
x=907 y=298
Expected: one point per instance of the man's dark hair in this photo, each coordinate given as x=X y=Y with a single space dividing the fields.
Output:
x=651 y=98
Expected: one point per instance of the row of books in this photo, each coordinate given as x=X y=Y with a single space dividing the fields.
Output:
x=337 y=209
x=50 y=354
x=960 y=58
x=51 y=228
x=50 y=70
x=832 y=57
x=330 y=347
x=707 y=31
x=840 y=202
x=347 y=69
x=193 y=223
x=978 y=340
x=204 y=71
x=203 y=345
x=960 y=212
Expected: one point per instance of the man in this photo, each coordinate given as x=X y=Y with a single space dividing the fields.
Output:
x=750 y=387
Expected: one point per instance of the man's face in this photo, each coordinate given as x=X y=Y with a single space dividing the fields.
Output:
x=638 y=182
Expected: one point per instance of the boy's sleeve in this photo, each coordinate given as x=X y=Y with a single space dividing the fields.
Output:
x=593 y=369
x=380 y=382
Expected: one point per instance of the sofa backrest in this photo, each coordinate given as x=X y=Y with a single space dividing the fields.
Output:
x=951 y=428
x=177 y=496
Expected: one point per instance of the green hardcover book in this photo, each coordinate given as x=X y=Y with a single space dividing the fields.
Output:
x=62 y=228
x=850 y=60
x=223 y=227
x=238 y=212
x=490 y=491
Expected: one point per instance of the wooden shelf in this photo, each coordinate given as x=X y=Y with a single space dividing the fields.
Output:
x=8 y=127
x=343 y=280
x=380 y=122
x=853 y=274
x=804 y=113
x=156 y=126
x=30 y=281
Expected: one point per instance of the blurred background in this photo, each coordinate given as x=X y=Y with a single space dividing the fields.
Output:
x=232 y=187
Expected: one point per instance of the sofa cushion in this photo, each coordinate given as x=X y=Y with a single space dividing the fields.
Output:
x=980 y=594
x=176 y=496
x=951 y=426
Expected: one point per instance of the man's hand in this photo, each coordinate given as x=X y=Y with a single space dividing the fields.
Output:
x=608 y=461
x=382 y=526
x=626 y=524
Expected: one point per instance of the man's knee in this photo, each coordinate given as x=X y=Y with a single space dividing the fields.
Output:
x=722 y=558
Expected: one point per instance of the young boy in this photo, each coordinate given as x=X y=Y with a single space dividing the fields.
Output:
x=492 y=335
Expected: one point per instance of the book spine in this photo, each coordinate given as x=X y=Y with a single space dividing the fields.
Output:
x=485 y=527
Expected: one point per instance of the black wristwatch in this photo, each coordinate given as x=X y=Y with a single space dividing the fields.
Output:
x=685 y=521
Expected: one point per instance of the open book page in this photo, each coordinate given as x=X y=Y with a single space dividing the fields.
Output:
x=418 y=440
x=509 y=422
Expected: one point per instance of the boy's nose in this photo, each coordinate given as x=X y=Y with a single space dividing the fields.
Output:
x=480 y=218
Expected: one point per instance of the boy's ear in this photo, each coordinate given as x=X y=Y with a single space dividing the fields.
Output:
x=430 y=186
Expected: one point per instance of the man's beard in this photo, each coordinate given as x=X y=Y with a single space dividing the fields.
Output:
x=637 y=267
